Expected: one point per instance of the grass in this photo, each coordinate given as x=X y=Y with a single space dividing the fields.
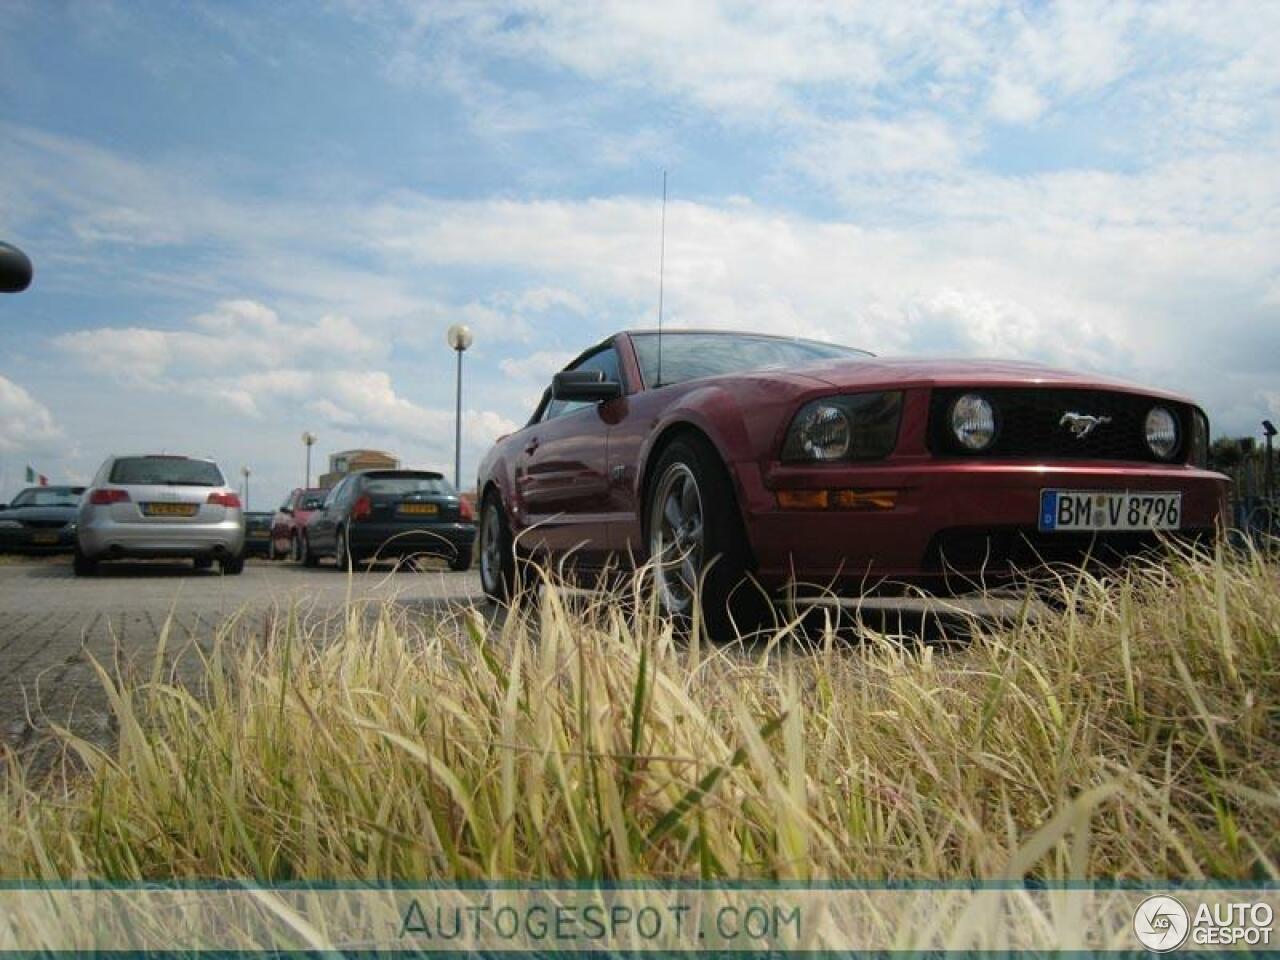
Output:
x=1134 y=733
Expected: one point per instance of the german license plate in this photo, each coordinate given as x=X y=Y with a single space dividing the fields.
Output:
x=169 y=509
x=419 y=508
x=1110 y=510
x=44 y=537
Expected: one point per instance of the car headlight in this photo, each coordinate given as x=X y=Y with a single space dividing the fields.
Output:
x=973 y=421
x=1162 y=432
x=860 y=426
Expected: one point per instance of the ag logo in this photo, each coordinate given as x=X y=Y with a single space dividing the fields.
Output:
x=1161 y=923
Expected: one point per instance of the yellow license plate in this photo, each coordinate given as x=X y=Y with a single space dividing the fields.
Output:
x=419 y=508
x=169 y=509
x=44 y=538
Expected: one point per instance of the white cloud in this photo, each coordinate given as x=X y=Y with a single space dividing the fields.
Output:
x=237 y=334
x=538 y=366
x=26 y=425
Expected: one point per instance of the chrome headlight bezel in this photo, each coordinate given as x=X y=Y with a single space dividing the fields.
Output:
x=1162 y=433
x=869 y=423
x=974 y=422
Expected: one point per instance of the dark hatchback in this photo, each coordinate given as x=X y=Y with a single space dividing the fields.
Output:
x=40 y=520
x=387 y=514
x=257 y=534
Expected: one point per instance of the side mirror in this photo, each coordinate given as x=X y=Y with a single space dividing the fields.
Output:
x=584 y=386
x=15 y=269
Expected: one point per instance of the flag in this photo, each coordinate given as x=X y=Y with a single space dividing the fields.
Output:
x=31 y=474
x=44 y=481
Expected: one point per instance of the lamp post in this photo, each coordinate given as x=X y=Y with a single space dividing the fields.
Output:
x=459 y=338
x=246 y=471
x=308 y=440
x=1268 y=474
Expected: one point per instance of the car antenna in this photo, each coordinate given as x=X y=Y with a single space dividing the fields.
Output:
x=662 y=263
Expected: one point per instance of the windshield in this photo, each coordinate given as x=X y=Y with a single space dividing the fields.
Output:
x=175 y=471
x=689 y=356
x=311 y=502
x=48 y=497
x=402 y=484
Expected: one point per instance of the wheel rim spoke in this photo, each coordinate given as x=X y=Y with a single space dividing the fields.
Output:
x=677 y=529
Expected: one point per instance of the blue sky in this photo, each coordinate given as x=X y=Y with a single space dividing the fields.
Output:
x=252 y=219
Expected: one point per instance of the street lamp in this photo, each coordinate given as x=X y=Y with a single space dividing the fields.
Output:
x=1269 y=429
x=459 y=338
x=309 y=439
x=245 y=471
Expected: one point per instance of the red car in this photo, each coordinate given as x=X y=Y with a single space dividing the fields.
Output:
x=809 y=466
x=291 y=519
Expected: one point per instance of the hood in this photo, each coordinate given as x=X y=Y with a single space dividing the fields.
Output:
x=39 y=514
x=942 y=372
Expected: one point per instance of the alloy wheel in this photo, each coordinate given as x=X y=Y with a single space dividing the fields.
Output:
x=677 y=536
x=491 y=548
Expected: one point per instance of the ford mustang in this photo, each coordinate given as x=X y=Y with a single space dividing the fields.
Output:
x=732 y=459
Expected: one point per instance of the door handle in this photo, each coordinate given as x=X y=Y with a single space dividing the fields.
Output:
x=531 y=446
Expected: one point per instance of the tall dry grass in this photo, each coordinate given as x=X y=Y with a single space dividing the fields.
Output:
x=1134 y=733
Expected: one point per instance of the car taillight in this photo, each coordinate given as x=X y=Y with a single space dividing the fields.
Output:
x=362 y=509
x=106 y=496
x=465 y=510
x=224 y=499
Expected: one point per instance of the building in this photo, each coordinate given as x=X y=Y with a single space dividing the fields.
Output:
x=344 y=462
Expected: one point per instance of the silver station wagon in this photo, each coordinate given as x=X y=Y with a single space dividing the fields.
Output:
x=160 y=506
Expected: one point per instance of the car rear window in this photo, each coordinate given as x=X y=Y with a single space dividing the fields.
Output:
x=404 y=484
x=176 y=471
x=48 y=497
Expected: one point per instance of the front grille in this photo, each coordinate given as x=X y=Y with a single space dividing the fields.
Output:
x=44 y=524
x=1029 y=424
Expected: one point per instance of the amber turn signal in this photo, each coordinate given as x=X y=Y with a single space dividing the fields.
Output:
x=837 y=499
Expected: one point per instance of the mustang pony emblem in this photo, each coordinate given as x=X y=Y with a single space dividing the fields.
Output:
x=1081 y=424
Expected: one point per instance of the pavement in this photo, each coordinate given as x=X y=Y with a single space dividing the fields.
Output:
x=52 y=623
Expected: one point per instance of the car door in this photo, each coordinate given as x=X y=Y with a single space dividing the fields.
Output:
x=323 y=527
x=282 y=523
x=561 y=472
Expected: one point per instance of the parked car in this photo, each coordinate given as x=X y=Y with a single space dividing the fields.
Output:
x=257 y=533
x=291 y=519
x=40 y=520
x=160 y=506
x=804 y=466
x=386 y=514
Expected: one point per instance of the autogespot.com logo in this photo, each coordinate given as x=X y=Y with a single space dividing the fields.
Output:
x=1161 y=923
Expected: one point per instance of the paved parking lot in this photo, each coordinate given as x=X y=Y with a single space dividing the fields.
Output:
x=51 y=622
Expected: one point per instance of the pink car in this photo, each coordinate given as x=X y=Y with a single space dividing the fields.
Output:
x=808 y=466
x=290 y=520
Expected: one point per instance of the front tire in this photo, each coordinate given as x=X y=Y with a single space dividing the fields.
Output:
x=697 y=546
x=501 y=571
x=232 y=566
x=309 y=558
x=343 y=555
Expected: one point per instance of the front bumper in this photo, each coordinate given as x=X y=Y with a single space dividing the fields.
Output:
x=395 y=540
x=105 y=540
x=975 y=521
x=37 y=540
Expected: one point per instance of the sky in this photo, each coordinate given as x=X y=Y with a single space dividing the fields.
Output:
x=254 y=219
